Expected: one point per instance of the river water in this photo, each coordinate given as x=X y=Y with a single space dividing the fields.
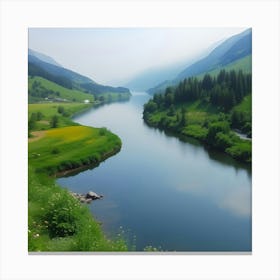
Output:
x=162 y=192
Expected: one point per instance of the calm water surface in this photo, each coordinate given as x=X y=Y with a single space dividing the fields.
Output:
x=169 y=194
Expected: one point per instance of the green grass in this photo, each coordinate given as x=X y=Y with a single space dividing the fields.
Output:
x=197 y=112
x=57 y=222
x=50 y=109
x=200 y=115
x=71 y=147
x=69 y=94
x=245 y=105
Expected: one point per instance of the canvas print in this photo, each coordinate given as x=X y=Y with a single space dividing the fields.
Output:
x=140 y=140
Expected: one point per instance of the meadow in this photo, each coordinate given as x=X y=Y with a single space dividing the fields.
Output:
x=56 y=220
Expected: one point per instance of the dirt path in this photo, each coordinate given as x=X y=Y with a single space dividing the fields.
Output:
x=36 y=135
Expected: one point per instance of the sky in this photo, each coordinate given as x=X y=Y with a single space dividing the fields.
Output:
x=113 y=56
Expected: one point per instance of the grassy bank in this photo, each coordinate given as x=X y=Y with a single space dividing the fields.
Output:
x=208 y=109
x=56 y=220
x=206 y=124
x=71 y=147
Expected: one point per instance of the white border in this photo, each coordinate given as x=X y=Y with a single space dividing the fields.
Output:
x=262 y=16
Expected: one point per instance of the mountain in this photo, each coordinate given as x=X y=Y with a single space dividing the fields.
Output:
x=43 y=57
x=67 y=78
x=233 y=49
x=155 y=76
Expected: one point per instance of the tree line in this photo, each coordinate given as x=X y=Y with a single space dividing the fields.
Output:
x=224 y=91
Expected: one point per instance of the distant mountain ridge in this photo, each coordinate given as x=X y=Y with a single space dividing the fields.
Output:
x=230 y=50
x=154 y=76
x=43 y=57
x=65 y=77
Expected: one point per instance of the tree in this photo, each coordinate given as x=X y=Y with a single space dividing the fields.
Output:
x=215 y=128
x=171 y=112
x=150 y=107
x=60 y=109
x=54 y=121
x=207 y=82
x=183 y=120
x=39 y=116
x=32 y=121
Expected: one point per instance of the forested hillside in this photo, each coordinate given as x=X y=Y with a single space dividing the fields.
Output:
x=232 y=54
x=207 y=109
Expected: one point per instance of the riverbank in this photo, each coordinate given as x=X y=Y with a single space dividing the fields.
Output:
x=56 y=220
x=202 y=121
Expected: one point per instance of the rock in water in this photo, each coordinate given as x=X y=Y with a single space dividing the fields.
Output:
x=92 y=195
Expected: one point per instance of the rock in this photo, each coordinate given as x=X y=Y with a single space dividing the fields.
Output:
x=92 y=195
x=86 y=198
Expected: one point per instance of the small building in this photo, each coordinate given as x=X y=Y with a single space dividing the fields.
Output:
x=86 y=101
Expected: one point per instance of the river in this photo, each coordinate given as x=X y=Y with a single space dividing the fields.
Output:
x=165 y=193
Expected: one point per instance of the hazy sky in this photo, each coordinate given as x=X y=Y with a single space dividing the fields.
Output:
x=114 y=55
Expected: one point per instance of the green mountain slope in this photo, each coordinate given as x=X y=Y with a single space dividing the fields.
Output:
x=244 y=64
x=40 y=88
x=234 y=53
x=68 y=78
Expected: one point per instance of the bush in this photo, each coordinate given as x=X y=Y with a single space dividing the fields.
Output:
x=54 y=121
x=39 y=116
x=150 y=107
x=241 y=151
x=215 y=128
x=223 y=141
x=62 y=215
x=60 y=109
x=103 y=131
x=195 y=131
x=55 y=151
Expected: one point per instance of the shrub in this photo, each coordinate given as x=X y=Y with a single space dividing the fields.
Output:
x=55 y=151
x=223 y=141
x=103 y=131
x=150 y=107
x=60 y=109
x=39 y=116
x=62 y=215
x=241 y=151
x=195 y=131
x=54 y=121
x=214 y=128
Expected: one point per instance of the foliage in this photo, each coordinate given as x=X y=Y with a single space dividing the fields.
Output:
x=54 y=121
x=60 y=109
x=58 y=222
x=207 y=109
x=48 y=110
